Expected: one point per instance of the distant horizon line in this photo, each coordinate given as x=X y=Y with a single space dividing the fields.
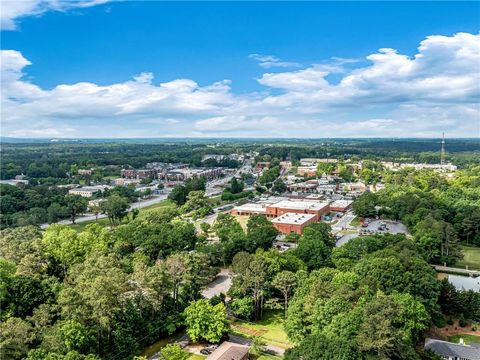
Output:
x=176 y=138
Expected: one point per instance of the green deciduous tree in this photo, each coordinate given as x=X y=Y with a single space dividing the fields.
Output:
x=205 y=321
x=76 y=205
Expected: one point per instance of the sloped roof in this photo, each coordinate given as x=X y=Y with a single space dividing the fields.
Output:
x=229 y=351
x=445 y=348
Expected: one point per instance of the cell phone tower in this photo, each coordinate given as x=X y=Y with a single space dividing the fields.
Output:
x=442 y=151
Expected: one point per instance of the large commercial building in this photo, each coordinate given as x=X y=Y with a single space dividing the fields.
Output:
x=316 y=208
x=292 y=222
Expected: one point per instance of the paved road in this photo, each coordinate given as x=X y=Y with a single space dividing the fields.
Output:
x=345 y=238
x=344 y=222
x=136 y=205
x=221 y=284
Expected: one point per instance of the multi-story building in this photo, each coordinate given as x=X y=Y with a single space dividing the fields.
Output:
x=138 y=174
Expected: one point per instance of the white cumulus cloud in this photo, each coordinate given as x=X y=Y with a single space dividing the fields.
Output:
x=393 y=94
x=13 y=10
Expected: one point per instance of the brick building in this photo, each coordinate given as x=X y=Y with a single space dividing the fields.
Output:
x=316 y=208
x=293 y=222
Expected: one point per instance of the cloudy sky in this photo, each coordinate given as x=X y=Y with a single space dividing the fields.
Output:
x=98 y=68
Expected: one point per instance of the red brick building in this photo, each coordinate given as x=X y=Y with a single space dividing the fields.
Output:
x=293 y=222
x=316 y=208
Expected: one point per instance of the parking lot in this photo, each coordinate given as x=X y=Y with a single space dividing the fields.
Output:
x=392 y=227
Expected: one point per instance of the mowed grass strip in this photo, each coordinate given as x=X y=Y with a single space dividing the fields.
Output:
x=270 y=329
x=467 y=338
x=471 y=258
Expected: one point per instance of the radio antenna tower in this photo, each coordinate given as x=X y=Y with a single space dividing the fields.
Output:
x=442 y=151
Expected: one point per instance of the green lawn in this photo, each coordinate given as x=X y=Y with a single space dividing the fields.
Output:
x=471 y=257
x=196 y=357
x=467 y=338
x=270 y=329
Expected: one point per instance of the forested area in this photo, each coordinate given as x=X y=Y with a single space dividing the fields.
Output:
x=440 y=212
x=45 y=160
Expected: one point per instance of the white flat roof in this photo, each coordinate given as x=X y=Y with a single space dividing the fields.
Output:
x=341 y=203
x=253 y=207
x=293 y=218
x=301 y=204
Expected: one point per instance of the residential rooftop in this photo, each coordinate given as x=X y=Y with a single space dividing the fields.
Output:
x=460 y=351
x=229 y=351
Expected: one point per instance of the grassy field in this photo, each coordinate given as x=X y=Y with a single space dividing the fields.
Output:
x=270 y=329
x=471 y=258
x=467 y=338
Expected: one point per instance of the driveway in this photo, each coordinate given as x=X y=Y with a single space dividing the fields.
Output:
x=221 y=284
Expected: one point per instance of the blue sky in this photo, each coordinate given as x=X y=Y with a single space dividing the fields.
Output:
x=309 y=69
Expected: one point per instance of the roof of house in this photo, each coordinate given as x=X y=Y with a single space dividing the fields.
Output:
x=229 y=351
x=293 y=218
x=445 y=348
